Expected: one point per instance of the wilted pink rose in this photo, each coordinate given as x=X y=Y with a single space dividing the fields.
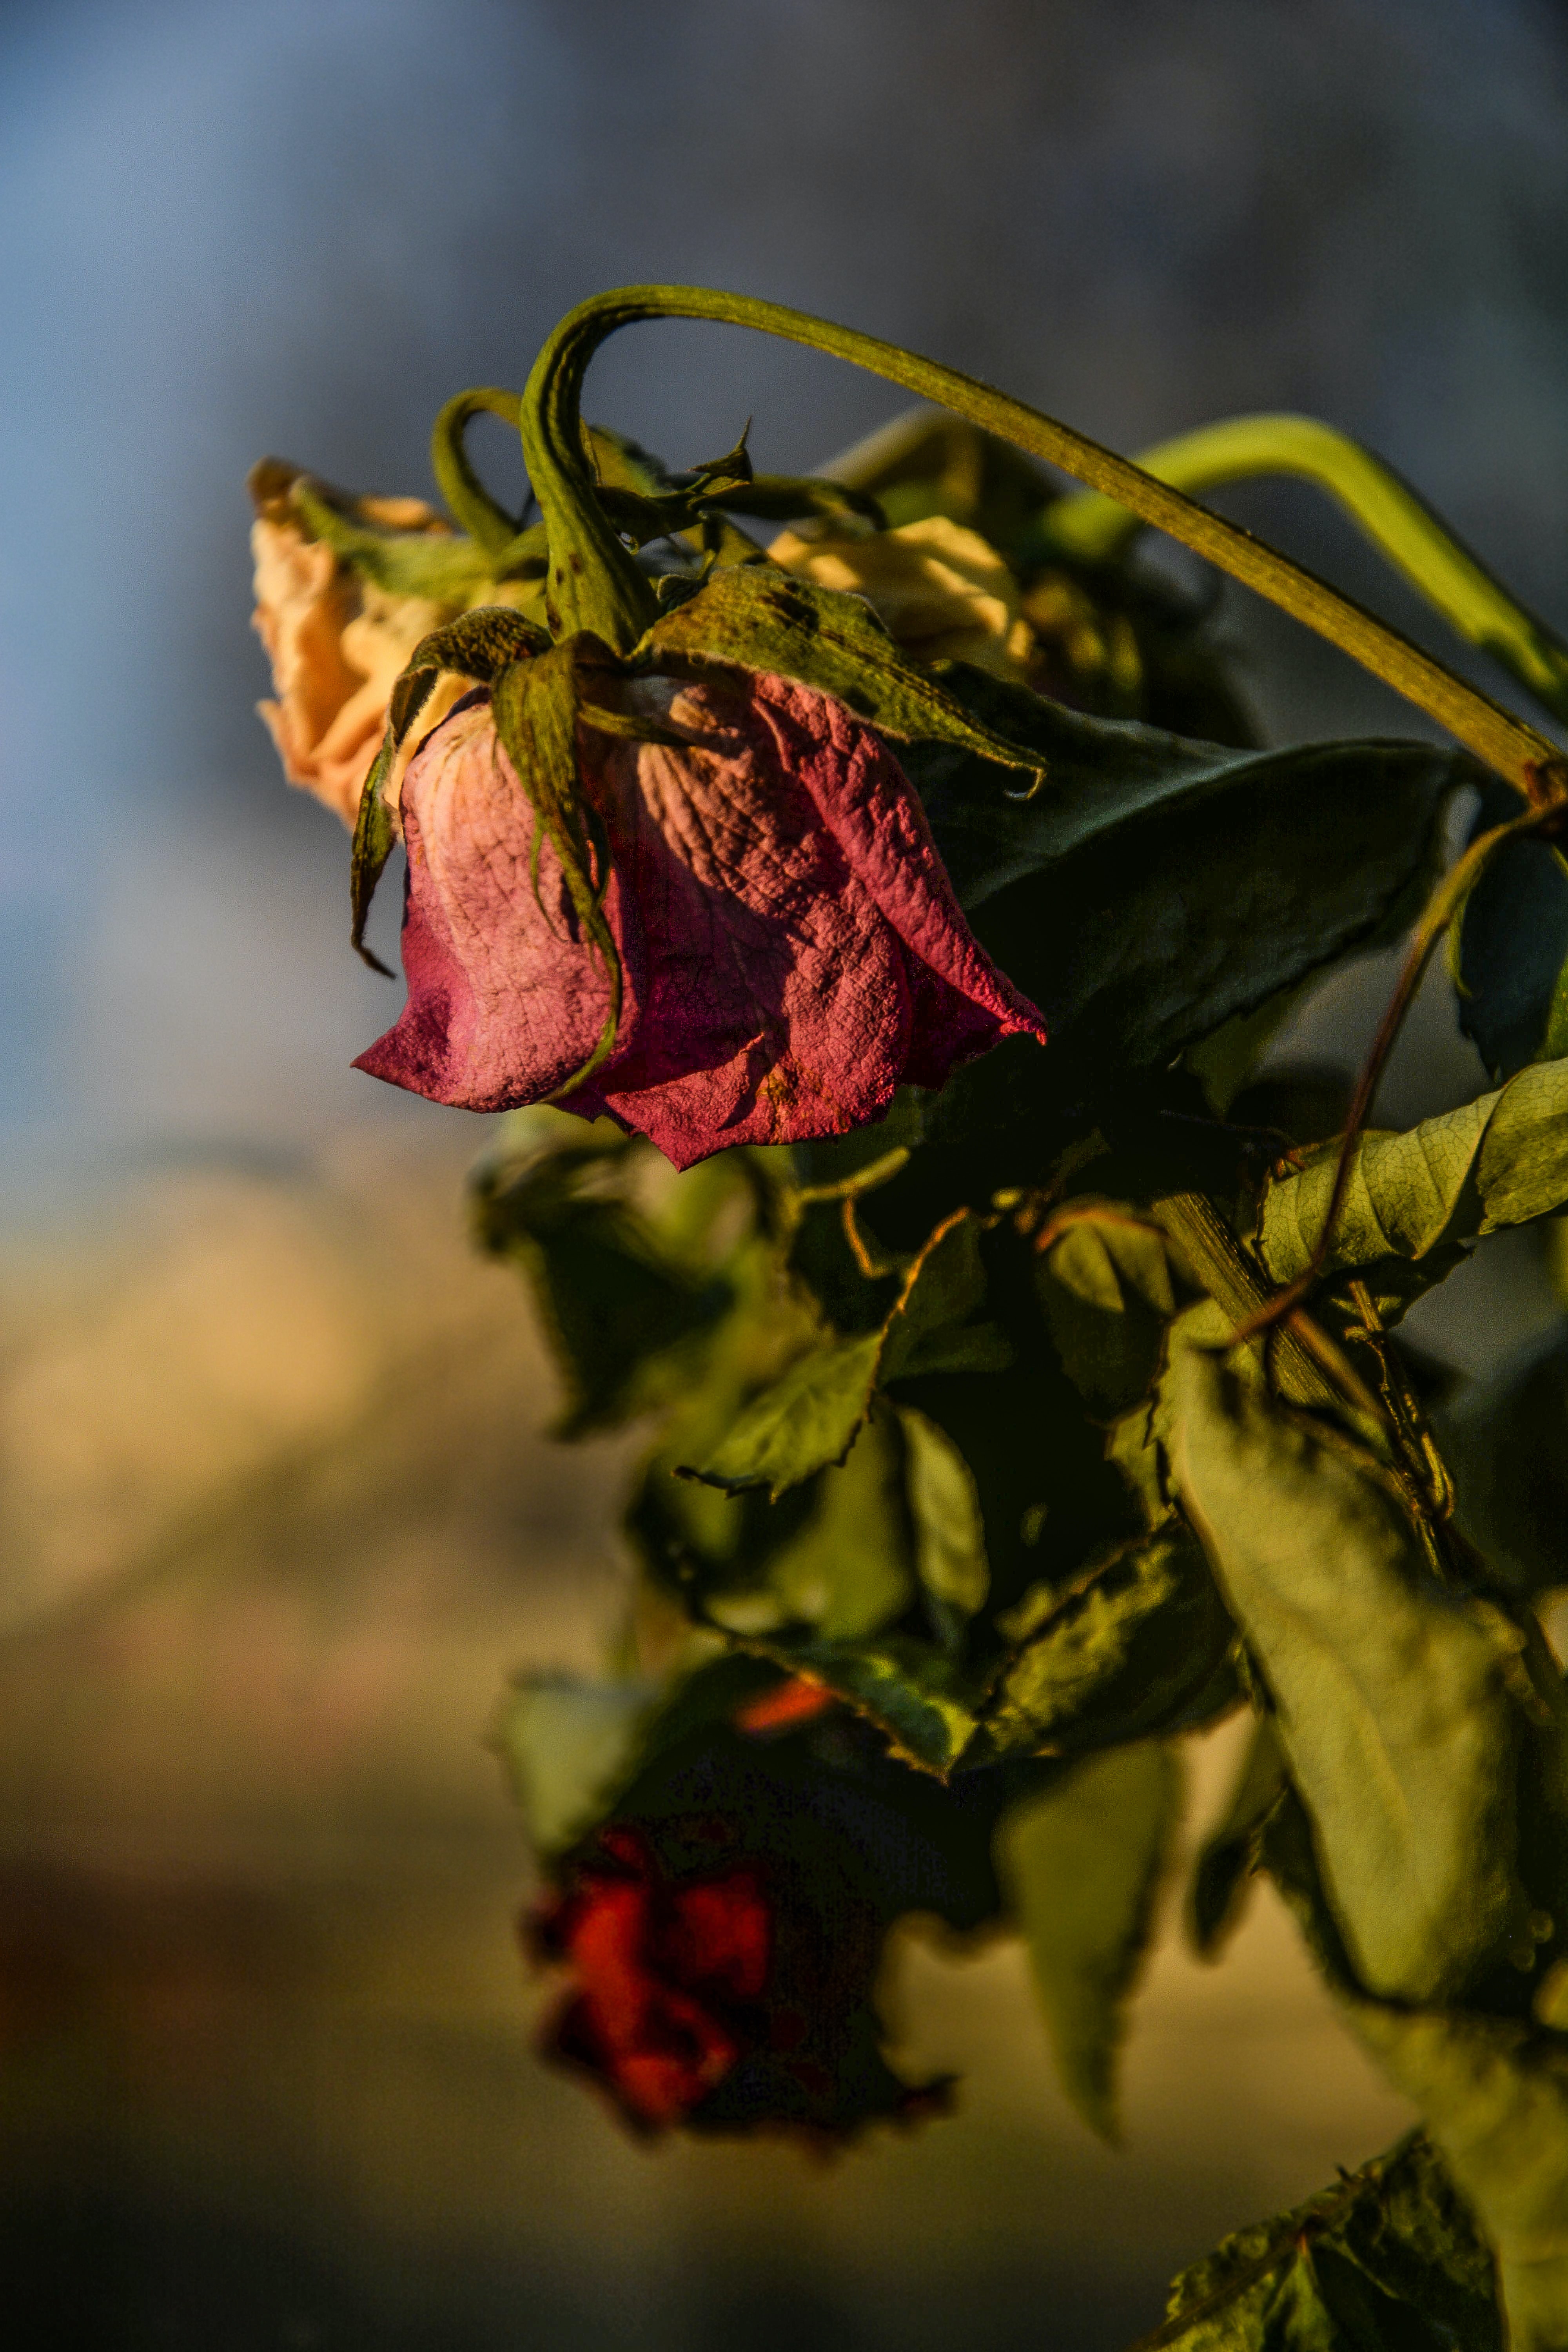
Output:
x=790 y=944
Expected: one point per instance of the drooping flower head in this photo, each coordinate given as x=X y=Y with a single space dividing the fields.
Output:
x=663 y=861
x=789 y=947
x=715 y=1986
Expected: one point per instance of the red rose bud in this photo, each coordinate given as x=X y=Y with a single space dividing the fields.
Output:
x=790 y=947
x=706 y=1997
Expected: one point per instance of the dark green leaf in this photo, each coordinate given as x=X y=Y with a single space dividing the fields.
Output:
x=1139 y=1646
x=823 y=1798
x=949 y=1526
x=1079 y=1865
x=930 y=1329
x=1052 y=1503
x=808 y=1417
x=1153 y=888
x=1513 y=940
x=848 y=1571
x=1506 y=1441
x=805 y=1421
x=568 y=1746
x=1107 y=1292
x=1493 y=2090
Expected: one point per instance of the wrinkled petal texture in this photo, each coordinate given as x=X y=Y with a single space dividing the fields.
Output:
x=790 y=948
x=504 y=1001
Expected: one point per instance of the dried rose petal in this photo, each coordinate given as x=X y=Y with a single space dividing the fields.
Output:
x=790 y=948
x=941 y=591
x=337 y=643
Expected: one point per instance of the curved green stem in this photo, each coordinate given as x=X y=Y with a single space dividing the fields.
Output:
x=1095 y=529
x=604 y=590
x=466 y=497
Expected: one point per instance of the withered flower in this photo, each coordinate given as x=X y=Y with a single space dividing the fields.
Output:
x=790 y=948
x=942 y=592
x=337 y=641
x=714 y=1986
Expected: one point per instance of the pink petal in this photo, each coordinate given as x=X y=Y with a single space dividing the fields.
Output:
x=505 y=1002
x=806 y=952
x=792 y=951
x=963 y=1003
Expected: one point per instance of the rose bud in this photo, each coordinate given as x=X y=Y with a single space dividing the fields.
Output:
x=719 y=1989
x=942 y=592
x=789 y=947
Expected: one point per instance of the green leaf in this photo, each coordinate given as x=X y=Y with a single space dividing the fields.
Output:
x=1494 y=2091
x=1138 y=1645
x=1511 y=947
x=1425 y=1844
x=919 y=1695
x=1389 y=2260
x=808 y=1417
x=805 y=1421
x=1155 y=888
x=1506 y=1441
x=1420 y=1727
x=1107 y=1292
x=930 y=1329
x=1226 y=1857
x=847 y=1572
x=1499 y=1161
x=1080 y=1865
x=948 y=1527
x=759 y=618
x=568 y=1746
x=621 y=1314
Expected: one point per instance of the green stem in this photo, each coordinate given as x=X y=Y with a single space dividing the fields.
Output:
x=468 y=501
x=604 y=590
x=1096 y=529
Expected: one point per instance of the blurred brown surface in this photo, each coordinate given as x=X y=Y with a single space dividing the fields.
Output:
x=279 y=1520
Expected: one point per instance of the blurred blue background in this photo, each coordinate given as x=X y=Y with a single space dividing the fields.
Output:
x=298 y=227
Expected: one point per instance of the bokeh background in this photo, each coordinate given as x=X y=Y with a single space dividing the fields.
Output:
x=275 y=1518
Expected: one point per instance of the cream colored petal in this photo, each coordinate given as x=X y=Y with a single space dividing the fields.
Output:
x=941 y=590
